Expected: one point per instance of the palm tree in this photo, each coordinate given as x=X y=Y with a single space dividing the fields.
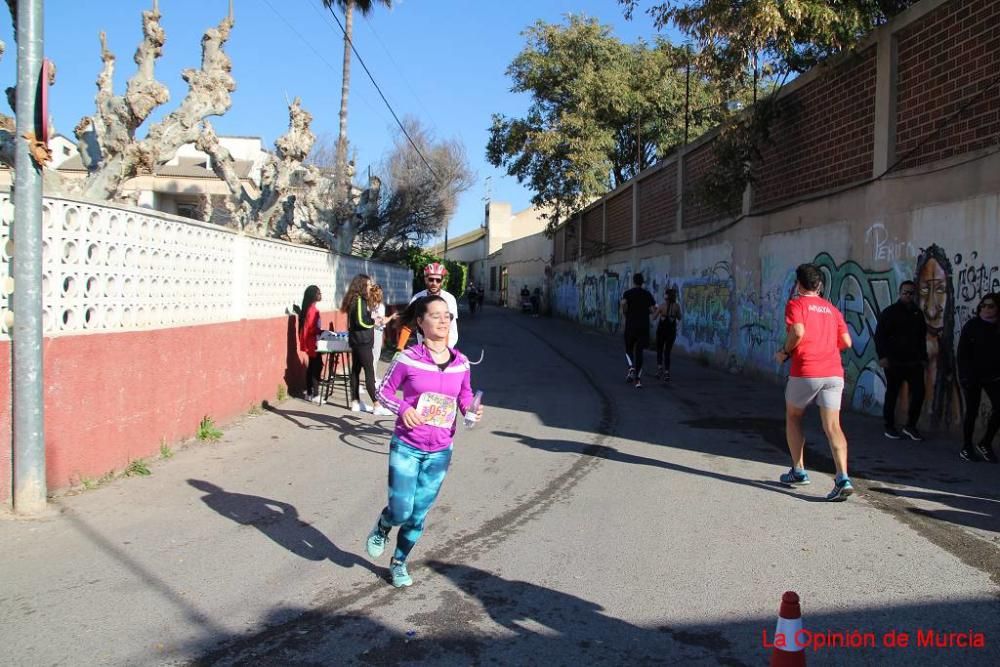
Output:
x=348 y=6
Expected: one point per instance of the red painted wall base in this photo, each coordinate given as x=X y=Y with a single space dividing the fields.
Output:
x=111 y=398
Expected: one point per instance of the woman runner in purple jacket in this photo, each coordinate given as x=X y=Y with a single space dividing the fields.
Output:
x=435 y=382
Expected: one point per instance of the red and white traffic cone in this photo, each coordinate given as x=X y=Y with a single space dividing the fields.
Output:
x=787 y=649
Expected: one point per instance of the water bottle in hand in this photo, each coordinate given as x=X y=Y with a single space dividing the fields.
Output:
x=471 y=416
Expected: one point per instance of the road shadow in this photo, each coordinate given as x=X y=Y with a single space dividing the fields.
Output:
x=973 y=512
x=484 y=618
x=280 y=523
x=352 y=429
x=745 y=413
x=611 y=454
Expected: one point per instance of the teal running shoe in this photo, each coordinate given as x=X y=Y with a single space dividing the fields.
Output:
x=842 y=488
x=376 y=541
x=400 y=577
x=794 y=477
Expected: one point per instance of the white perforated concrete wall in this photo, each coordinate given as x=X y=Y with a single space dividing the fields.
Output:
x=109 y=268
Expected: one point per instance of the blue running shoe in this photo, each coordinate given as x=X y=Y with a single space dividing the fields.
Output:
x=376 y=541
x=400 y=577
x=794 y=477
x=842 y=488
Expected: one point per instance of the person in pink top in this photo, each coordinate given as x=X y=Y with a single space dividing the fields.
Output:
x=435 y=381
x=816 y=336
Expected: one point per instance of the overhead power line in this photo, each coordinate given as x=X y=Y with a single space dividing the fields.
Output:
x=382 y=95
x=312 y=48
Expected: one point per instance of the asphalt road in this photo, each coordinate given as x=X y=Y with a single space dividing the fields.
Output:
x=583 y=522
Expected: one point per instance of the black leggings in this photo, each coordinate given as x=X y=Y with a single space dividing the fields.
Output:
x=313 y=373
x=635 y=343
x=973 y=397
x=362 y=357
x=666 y=334
x=895 y=376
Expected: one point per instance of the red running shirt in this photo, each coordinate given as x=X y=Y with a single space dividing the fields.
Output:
x=818 y=353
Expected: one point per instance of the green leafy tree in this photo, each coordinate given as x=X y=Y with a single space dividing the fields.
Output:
x=601 y=111
x=757 y=45
x=458 y=272
x=737 y=39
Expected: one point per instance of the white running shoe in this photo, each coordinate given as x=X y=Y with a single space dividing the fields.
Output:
x=382 y=412
x=356 y=407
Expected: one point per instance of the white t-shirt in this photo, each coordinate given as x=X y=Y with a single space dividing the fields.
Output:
x=452 y=308
x=379 y=331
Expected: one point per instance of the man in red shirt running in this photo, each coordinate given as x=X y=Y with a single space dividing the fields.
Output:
x=816 y=335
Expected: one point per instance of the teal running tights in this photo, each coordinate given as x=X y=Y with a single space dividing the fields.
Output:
x=415 y=478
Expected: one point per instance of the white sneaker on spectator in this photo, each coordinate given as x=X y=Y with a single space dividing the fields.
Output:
x=382 y=411
x=364 y=407
x=317 y=399
x=356 y=407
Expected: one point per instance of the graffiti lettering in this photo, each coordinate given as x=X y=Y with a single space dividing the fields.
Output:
x=706 y=316
x=975 y=281
x=886 y=249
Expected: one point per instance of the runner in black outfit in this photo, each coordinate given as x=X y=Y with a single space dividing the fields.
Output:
x=669 y=313
x=637 y=305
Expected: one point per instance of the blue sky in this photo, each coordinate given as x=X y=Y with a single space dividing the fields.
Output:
x=443 y=61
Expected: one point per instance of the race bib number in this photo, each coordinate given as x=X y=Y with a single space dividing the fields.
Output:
x=437 y=409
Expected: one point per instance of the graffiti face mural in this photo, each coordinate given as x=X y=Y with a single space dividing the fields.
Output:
x=936 y=296
x=932 y=286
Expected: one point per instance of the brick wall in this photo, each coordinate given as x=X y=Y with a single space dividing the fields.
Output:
x=620 y=219
x=944 y=61
x=573 y=239
x=593 y=231
x=557 y=241
x=947 y=97
x=697 y=164
x=658 y=203
x=824 y=135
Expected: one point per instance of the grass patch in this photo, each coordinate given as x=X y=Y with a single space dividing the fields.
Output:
x=207 y=430
x=282 y=393
x=255 y=410
x=165 y=451
x=88 y=483
x=106 y=477
x=137 y=468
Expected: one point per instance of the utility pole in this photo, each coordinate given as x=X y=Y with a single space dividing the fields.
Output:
x=638 y=143
x=687 y=93
x=26 y=302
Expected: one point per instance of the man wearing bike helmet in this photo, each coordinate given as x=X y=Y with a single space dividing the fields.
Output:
x=434 y=274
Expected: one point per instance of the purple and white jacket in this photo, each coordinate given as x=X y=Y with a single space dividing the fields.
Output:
x=414 y=372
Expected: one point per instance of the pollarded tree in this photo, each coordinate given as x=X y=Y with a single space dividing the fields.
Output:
x=601 y=111
x=295 y=201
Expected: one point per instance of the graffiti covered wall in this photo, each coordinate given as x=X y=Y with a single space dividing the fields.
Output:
x=733 y=293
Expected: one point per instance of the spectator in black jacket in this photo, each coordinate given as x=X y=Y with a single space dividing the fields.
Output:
x=978 y=372
x=901 y=345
